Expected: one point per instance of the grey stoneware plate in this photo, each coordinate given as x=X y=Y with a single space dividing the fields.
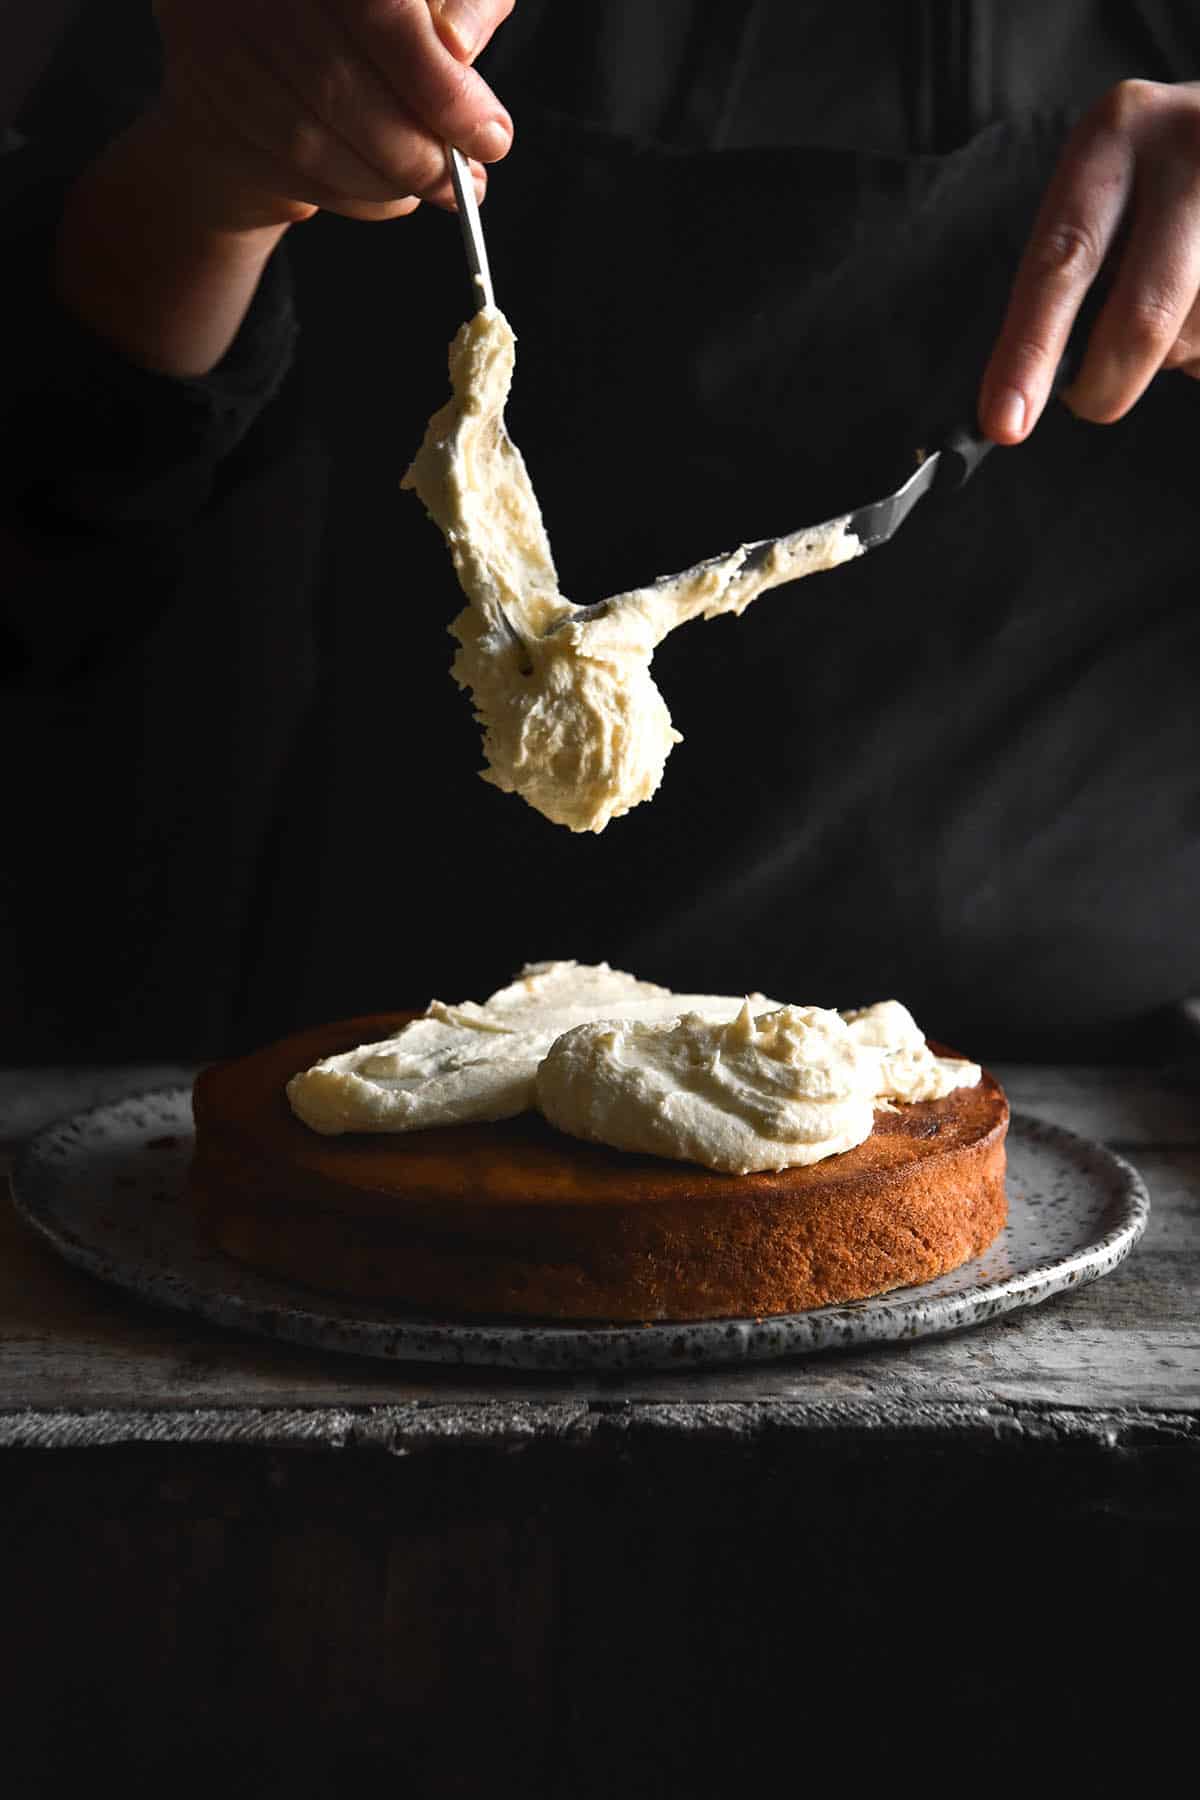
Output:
x=107 y=1189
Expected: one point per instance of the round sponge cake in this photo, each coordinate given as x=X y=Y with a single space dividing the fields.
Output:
x=514 y=1219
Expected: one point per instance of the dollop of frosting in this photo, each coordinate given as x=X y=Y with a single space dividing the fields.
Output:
x=572 y=719
x=734 y=1083
x=783 y=1089
x=474 y=1062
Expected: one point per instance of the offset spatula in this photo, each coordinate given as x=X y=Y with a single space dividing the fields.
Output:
x=944 y=470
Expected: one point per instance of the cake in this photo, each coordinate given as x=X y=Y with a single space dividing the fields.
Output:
x=513 y=1219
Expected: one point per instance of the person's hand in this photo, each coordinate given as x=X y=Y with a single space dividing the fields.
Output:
x=1126 y=193
x=285 y=107
x=270 y=111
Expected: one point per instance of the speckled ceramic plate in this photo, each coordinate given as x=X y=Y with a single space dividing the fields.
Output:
x=107 y=1189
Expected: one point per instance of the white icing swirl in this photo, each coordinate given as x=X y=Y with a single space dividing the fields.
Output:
x=734 y=1084
x=458 y=1064
x=787 y=1088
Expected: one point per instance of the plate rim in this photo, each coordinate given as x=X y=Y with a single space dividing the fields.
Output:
x=899 y=1316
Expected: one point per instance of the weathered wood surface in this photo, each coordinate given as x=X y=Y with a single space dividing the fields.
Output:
x=84 y=1363
x=660 y=1585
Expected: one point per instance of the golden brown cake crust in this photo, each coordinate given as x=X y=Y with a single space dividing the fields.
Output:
x=516 y=1219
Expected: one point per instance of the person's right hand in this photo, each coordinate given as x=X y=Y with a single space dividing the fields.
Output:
x=340 y=105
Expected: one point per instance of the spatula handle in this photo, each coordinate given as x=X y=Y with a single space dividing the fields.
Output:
x=965 y=449
x=472 y=227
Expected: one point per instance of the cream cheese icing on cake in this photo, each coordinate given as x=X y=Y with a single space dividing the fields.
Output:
x=733 y=1083
x=778 y=1090
x=478 y=1061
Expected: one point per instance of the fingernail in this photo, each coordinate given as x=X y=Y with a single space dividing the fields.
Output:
x=461 y=25
x=1006 y=412
x=488 y=143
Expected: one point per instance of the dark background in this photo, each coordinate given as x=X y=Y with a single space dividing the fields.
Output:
x=240 y=795
x=755 y=257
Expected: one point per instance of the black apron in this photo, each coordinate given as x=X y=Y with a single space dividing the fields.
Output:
x=961 y=771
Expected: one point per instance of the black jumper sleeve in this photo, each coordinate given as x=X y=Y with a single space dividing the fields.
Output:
x=103 y=464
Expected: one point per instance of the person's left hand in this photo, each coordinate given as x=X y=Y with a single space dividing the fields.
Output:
x=1131 y=169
